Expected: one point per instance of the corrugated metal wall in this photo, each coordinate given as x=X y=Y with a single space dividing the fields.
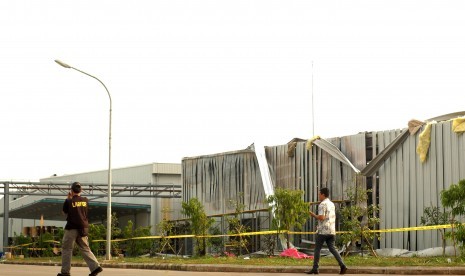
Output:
x=311 y=170
x=408 y=186
x=217 y=179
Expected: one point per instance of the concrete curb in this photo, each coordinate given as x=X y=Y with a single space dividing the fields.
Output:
x=409 y=270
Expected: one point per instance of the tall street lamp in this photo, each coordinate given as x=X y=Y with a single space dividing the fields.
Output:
x=108 y=241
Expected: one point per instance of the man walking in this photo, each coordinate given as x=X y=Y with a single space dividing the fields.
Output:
x=76 y=230
x=326 y=231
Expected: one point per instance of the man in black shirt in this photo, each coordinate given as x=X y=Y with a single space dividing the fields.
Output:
x=76 y=230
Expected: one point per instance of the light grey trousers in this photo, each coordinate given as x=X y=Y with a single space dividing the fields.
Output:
x=69 y=238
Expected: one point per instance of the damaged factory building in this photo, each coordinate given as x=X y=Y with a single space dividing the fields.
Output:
x=406 y=169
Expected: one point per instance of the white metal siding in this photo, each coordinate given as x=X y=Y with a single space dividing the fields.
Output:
x=408 y=186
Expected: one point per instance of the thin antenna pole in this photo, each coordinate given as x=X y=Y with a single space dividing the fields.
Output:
x=313 y=109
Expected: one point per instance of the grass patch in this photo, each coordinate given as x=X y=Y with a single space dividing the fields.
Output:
x=368 y=261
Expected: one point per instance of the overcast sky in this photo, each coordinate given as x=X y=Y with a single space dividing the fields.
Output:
x=191 y=78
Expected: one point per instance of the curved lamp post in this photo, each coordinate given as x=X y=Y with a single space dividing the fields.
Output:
x=108 y=241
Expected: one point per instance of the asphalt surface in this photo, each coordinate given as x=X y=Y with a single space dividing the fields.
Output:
x=12 y=268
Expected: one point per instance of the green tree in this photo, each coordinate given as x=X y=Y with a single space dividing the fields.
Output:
x=97 y=232
x=216 y=242
x=200 y=223
x=236 y=227
x=165 y=228
x=22 y=243
x=58 y=234
x=434 y=216
x=116 y=233
x=136 y=244
x=269 y=244
x=289 y=210
x=358 y=219
x=45 y=241
x=453 y=198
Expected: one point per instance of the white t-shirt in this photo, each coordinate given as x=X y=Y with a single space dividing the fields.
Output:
x=328 y=225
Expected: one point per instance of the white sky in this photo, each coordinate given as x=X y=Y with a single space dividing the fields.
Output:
x=199 y=77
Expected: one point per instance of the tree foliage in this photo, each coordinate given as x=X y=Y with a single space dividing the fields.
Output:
x=134 y=246
x=453 y=198
x=45 y=242
x=115 y=234
x=164 y=244
x=358 y=218
x=23 y=242
x=200 y=223
x=434 y=216
x=289 y=210
x=97 y=232
x=269 y=244
x=236 y=227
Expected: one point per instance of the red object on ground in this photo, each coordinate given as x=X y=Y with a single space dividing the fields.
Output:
x=293 y=253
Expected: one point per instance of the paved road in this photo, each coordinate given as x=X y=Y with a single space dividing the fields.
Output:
x=21 y=270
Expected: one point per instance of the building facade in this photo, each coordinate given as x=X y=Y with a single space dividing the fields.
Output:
x=144 y=194
x=406 y=169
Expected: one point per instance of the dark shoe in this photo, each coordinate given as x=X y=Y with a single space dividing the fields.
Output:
x=96 y=271
x=62 y=274
x=313 y=271
x=343 y=270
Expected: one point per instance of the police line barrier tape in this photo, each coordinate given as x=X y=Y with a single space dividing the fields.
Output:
x=416 y=228
x=26 y=244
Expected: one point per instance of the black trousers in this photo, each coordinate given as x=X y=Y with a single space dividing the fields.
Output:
x=320 y=240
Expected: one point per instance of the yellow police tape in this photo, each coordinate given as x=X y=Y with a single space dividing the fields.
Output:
x=33 y=243
x=417 y=228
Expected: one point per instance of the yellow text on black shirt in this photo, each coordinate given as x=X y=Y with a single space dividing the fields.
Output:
x=79 y=204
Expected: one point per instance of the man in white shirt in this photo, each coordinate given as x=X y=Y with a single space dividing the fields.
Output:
x=326 y=231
